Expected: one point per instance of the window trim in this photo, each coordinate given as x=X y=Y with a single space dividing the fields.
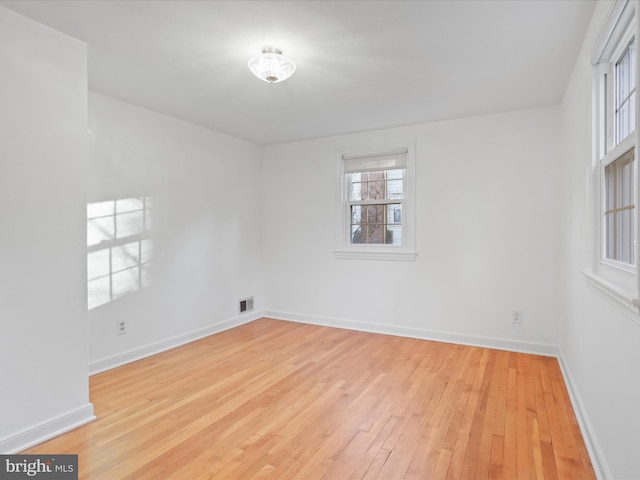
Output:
x=344 y=248
x=617 y=281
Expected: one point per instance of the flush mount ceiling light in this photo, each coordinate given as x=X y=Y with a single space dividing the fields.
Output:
x=271 y=66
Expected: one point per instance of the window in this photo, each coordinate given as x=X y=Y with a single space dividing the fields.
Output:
x=614 y=173
x=376 y=205
x=617 y=154
x=118 y=248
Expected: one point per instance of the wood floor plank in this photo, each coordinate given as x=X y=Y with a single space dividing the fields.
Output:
x=278 y=400
x=467 y=442
x=371 y=462
x=496 y=467
x=510 y=428
x=523 y=446
x=484 y=421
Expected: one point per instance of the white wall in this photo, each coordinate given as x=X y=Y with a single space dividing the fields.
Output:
x=487 y=234
x=206 y=190
x=43 y=318
x=600 y=344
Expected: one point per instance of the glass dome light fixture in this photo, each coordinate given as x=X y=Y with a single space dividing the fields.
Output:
x=271 y=66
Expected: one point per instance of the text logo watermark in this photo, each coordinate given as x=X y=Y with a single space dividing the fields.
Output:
x=50 y=467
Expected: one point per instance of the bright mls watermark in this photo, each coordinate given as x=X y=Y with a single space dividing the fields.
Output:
x=50 y=467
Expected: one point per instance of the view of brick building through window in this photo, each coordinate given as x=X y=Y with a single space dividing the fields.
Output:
x=376 y=209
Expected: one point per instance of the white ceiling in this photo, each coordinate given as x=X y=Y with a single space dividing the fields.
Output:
x=362 y=65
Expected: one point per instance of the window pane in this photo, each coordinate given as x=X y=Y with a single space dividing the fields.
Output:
x=356 y=190
x=394 y=213
x=623 y=122
x=372 y=213
x=625 y=246
x=394 y=234
x=623 y=78
x=394 y=189
x=375 y=233
x=625 y=87
x=376 y=185
x=395 y=174
x=356 y=214
x=620 y=230
x=356 y=234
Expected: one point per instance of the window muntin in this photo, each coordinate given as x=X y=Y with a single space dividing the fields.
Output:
x=119 y=248
x=619 y=209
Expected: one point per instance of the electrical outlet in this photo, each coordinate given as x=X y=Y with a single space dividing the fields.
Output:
x=121 y=327
x=517 y=317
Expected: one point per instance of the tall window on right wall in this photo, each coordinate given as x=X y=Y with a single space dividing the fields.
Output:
x=618 y=159
x=615 y=172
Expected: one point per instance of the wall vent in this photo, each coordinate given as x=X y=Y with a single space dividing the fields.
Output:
x=246 y=305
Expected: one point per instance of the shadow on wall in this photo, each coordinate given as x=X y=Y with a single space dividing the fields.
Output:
x=119 y=248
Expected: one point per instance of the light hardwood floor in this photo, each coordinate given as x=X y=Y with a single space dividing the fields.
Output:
x=280 y=400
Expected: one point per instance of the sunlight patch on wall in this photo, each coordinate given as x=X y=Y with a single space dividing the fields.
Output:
x=119 y=248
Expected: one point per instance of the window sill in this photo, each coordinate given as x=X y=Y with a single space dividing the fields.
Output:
x=621 y=299
x=403 y=256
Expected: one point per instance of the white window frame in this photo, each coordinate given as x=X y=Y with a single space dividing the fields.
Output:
x=347 y=250
x=617 y=280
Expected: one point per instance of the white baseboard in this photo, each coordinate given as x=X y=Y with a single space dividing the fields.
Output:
x=47 y=430
x=435 y=335
x=139 y=353
x=596 y=454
